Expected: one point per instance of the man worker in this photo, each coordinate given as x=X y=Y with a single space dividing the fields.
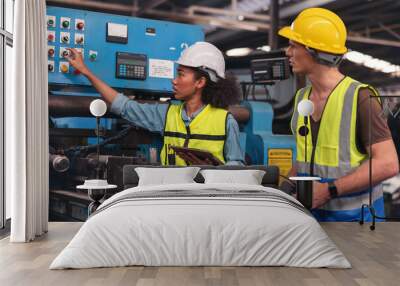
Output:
x=338 y=139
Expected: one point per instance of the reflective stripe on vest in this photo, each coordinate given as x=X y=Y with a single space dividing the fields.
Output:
x=352 y=214
x=336 y=152
x=207 y=131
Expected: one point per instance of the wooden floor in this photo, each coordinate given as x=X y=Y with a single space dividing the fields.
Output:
x=375 y=256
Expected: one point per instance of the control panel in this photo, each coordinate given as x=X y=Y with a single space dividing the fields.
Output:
x=125 y=52
x=270 y=69
x=131 y=66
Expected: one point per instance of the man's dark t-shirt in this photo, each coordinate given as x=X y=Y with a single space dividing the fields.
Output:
x=379 y=127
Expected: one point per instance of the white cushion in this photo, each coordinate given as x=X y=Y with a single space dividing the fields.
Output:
x=248 y=177
x=166 y=176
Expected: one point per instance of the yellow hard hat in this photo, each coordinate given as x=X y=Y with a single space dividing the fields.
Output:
x=319 y=29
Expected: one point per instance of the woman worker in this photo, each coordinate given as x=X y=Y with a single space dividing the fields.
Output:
x=200 y=121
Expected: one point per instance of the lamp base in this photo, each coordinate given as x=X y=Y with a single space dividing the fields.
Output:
x=97 y=189
x=93 y=207
x=304 y=188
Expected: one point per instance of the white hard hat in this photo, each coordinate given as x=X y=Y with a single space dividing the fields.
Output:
x=205 y=56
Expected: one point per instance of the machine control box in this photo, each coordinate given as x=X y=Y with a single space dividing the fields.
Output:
x=131 y=66
x=269 y=69
x=125 y=52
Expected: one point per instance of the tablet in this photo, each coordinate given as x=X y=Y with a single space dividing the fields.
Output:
x=188 y=153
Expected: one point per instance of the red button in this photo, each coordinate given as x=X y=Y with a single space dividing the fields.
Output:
x=51 y=52
x=76 y=72
x=50 y=37
x=80 y=25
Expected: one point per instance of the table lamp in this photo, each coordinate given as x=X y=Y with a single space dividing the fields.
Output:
x=96 y=188
x=304 y=184
x=98 y=108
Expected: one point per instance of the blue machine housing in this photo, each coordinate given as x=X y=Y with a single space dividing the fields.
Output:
x=259 y=141
x=157 y=40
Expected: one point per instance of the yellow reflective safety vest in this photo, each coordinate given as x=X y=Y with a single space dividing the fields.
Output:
x=335 y=154
x=207 y=131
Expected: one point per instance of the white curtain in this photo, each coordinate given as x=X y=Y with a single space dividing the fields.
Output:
x=27 y=124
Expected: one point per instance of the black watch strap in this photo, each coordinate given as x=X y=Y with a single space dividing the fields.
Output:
x=332 y=190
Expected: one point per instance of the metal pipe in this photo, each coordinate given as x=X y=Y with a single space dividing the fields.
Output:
x=193 y=9
x=78 y=106
x=390 y=31
x=374 y=41
x=210 y=20
x=273 y=32
x=98 y=145
x=60 y=163
x=151 y=5
x=296 y=8
x=378 y=29
x=95 y=5
x=72 y=106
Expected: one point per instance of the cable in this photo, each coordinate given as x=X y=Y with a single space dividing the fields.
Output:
x=79 y=149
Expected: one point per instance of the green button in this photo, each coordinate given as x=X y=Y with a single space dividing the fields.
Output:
x=50 y=22
x=93 y=56
x=65 y=24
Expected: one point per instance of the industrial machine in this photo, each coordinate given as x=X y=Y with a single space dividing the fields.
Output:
x=137 y=57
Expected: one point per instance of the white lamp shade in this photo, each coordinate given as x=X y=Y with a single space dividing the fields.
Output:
x=305 y=107
x=98 y=107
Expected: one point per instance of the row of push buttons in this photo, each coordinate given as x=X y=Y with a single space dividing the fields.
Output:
x=65 y=23
x=65 y=38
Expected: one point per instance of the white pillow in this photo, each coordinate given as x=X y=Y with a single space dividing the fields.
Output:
x=248 y=177
x=166 y=176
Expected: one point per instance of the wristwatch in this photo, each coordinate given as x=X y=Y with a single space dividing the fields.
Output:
x=332 y=190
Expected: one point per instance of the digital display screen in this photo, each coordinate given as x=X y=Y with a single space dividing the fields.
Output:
x=131 y=62
x=131 y=59
x=270 y=69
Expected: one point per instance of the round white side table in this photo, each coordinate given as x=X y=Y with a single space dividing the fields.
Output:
x=96 y=191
